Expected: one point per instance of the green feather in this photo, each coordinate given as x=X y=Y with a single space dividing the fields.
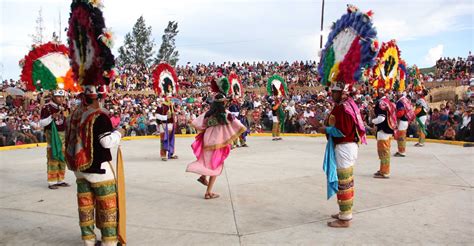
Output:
x=328 y=64
x=224 y=85
x=42 y=73
x=269 y=84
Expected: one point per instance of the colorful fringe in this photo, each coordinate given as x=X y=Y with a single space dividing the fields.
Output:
x=276 y=129
x=345 y=194
x=101 y=197
x=56 y=169
x=383 y=149
x=402 y=141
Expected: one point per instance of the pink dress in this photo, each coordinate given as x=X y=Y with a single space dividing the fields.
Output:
x=212 y=145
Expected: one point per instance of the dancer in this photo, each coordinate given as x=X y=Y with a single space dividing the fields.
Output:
x=386 y=122
x=405 y=115
x=54 y=122
x=421 y=112
x=277 y=90
x=344 y=126
x=218 y=129
x=165 y=85
x=89 y=132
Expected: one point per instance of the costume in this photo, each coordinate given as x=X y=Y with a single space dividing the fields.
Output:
x=405 y=115
x=217 y=128
x=54 y=122
x=277 y=90
x=165 y=85
x=46 y=67
x=89 y=131
x=421 y=111
x=351 y=48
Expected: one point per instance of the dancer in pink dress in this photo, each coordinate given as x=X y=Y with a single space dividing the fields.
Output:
x=217 y=128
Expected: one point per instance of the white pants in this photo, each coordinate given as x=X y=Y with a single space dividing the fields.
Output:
x=168 y=125
x=402 y=125
x=381 y=135
x=96 y=177
x=423 y=119
x=346 y=154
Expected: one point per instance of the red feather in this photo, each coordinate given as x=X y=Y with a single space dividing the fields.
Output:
x=157 y=73
x=35 y=54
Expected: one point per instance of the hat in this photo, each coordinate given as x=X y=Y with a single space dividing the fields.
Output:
x=276 y=86
x=165 y=81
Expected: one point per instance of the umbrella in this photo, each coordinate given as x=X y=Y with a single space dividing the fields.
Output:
x=14 y=91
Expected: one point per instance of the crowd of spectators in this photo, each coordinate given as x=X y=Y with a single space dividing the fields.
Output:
x=454 y=68
x=133 y=108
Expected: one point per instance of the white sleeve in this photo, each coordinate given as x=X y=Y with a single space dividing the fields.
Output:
x=109 y=140
x=379 y=119
x=46 y=121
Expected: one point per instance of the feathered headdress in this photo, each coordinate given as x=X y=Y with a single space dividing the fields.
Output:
x=89 y=42
x=221 y=85
x=46 y=67
x=400 y=84
x=386 y=70
x=165 y=81
x=351 y=47
x=276 y=86
x=236 y=88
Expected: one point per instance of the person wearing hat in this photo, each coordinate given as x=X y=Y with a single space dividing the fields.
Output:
x=54 y=123
x=90 y=135
x=166 y=116
x=421 y=112
x=345 y=130
x=218 y=129
x=405 y=115
x=386 y=122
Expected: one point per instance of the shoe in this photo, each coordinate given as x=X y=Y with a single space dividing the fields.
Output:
x=419 y=145
x=53 y=187
x=398 y=154
x=164 y=159
x=381 y=176
x=63 y=184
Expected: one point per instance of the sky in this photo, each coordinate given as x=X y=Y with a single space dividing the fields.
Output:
x=251 y=30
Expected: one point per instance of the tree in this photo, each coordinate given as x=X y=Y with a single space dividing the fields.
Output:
x=167 y=50
x=38 y=37
x=138 y=46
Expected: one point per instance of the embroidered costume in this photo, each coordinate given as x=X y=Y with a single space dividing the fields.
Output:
x=277 y=90
x=217 y=128
x=89 y=131
x=351 y=48
x=54 y=122
x=421 y=111
x=405 y=115
x=165 y=85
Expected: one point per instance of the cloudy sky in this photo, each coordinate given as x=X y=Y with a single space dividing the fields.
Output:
x=252 y=30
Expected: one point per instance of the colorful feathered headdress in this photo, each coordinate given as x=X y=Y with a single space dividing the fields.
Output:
x=387 y=67
x=46 y=67
x=401 y=82
x=221 y=85
x=165 y=80
x=90 y=42
x=351 y=47
x=236 y=88
x=276 y=86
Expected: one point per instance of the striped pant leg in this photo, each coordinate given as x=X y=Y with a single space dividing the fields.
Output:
x=383 y=149
x=162 y=145
x=345 y=194
x=422 y=137
x=106 y=209
x=86 y=203
x=402 y=141
x=276 y=129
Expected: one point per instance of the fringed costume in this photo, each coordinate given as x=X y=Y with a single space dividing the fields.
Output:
x=89 y=132
x=165 y=85
x=351 y=48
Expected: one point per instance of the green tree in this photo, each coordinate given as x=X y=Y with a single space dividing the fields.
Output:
x=138 y=46
x=167 y=52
